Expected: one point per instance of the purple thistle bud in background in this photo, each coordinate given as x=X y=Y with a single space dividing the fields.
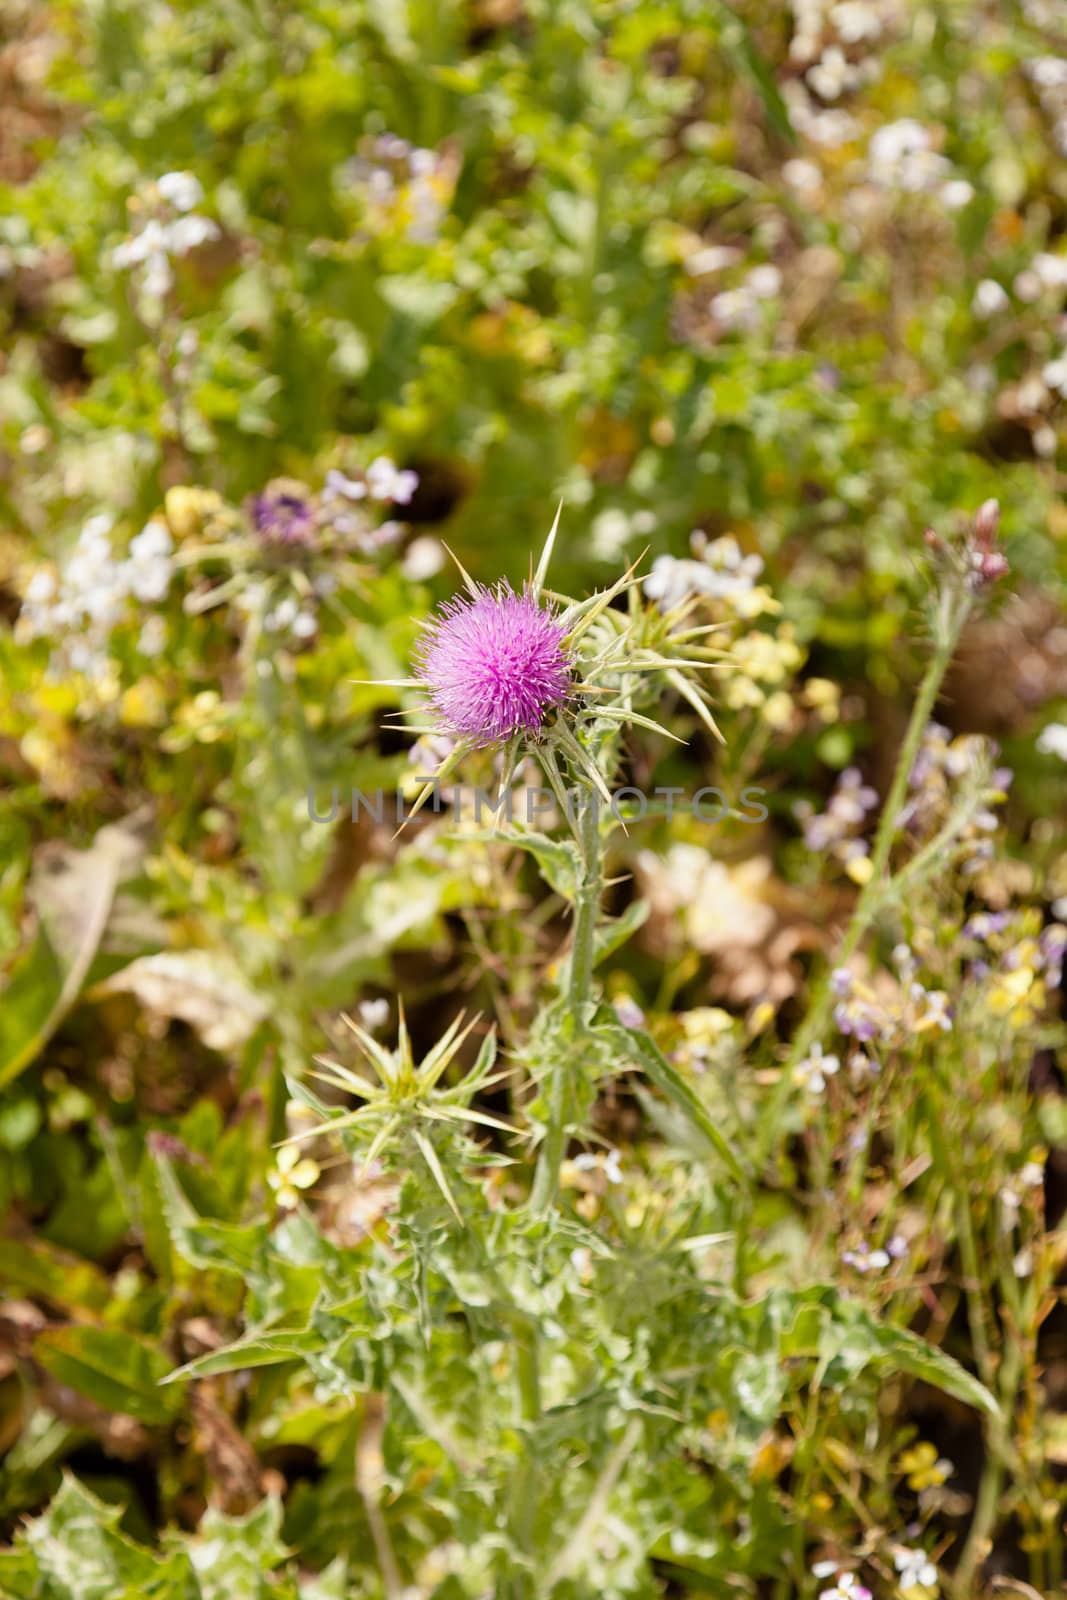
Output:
x=283 y=514
x=495 y=664
x=988 y=563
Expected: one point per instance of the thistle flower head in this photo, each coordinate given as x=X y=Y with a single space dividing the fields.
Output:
x=495 y=664
x=283 y=514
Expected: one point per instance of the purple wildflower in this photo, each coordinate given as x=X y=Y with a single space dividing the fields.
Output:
x=283 y=514
x=986 y=924
x=495 y=664
x=858 y=1019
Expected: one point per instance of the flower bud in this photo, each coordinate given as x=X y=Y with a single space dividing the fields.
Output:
x=987 y=522
x=994 y=566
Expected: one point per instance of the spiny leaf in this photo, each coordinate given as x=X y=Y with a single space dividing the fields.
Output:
x=633 y=1045
x=430 y=1156
x=541 y=573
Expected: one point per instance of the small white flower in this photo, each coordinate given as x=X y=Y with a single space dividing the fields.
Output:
x=340 y=487
x=856 y=21
x=712 y=258
x=381 y=183
x=158 y=279
x=957 y=193
x=151 y=580
x=1027 y=286
x=813 y=1071
x=802 y=175
x=900 y=156
x=830 y=75
x=1050 y=269
x=385 y=482
x=422 y=163
x=154 y=540
x=830 y=128
x=374 y=1014
x=149 y=569
x=88 y=659
x=723 y=573
x=1052 y=740
x=915 y=1569
x=96 y=529
x=423 y=558
x=181 y=190
x=735 y=308
x=672 y=580
x=41 y=588
x=989 y=298
x=152 y=640
x=1054 y=374
x=610 y=533
x=895 y=142
x=189 y=233
x=1048 y=72
x=847 y=1587
x=863 y=1259
x=610 y=1164
x=283 y=615
x=149 y=241
x=764 y=281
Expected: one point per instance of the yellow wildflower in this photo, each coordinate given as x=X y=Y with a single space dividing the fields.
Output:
x=924 y=1467
x=292 y=1173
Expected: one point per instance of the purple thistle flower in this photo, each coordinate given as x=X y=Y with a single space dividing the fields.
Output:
x=495 y=664
x=283 y=514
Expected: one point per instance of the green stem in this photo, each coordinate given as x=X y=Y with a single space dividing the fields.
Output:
x=580 y=976
x=518 y=1584
x=972 y=1288
x=527 y=1374
x=986 y=1508
x=953 y=610
x=591 y=1517
x=594 y=250
x=1000 y=1370
x=578 y=995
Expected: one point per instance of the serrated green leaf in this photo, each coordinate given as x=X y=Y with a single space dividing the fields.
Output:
x=118 y=1371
